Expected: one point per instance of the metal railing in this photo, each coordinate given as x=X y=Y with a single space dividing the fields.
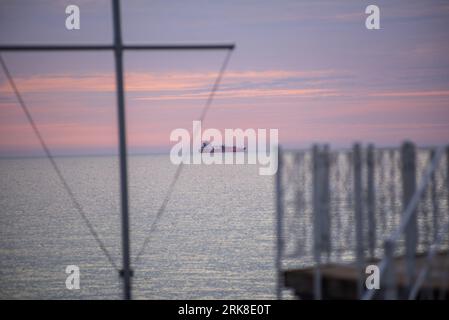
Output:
x=408 y=227
x=342 y=207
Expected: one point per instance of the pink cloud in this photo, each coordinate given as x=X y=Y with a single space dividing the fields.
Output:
x=161 y=102
x=153 y=82
x=430 y=93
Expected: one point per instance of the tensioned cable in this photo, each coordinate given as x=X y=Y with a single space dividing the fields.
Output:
x=177 y=174
x=44 y=146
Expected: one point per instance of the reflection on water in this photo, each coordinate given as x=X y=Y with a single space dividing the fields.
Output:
x=214 y=241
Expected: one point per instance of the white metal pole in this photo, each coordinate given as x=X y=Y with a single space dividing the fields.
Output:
x=279 y=216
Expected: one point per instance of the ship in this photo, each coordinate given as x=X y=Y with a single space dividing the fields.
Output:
x=207 y=147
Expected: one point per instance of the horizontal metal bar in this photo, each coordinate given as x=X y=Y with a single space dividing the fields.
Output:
x=55 y=47
x=181 y=47
x=93 y=47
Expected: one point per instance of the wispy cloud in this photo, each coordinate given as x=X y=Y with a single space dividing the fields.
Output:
x=417 y=94
x=250 y=93
x=183 y=85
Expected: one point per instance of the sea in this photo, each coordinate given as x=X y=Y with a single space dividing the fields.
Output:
x=215 y=240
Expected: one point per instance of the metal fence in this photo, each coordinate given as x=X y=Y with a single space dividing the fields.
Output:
x=363 y=206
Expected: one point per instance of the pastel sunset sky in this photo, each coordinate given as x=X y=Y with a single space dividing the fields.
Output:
x=308 y=68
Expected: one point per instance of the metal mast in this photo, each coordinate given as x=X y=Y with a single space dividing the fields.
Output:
x=118 y=47
x=118 y=54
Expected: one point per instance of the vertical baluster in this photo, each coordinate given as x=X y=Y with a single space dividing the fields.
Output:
x=317 y=220
x=349 y=207
x=325 y=201
x=409 y=187
x=445 y=275
x=383 y=192
x=391 y=219
x=339 y=196
x=389 y=278
x=370 y=201
x=280 y=214
x=435 y=208
x=299 y=204
x=446 y=186
x=358 y=209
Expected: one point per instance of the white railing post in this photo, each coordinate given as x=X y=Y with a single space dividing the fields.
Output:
x=371 y=201
x=447 y=175
x=433 y=197
x=325 y=202
x=389 y=278
x=279 y=216
x=317 y=173
x=358 y=214
x=409 y=187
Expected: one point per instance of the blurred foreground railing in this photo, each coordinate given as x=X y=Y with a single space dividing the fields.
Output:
x=340 y=211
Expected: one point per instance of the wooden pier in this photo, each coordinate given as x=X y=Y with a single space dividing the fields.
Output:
x=339 y=281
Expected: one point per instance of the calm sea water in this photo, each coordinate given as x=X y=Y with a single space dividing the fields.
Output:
x=215 y=240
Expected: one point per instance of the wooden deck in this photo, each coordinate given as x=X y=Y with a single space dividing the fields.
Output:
x=340 y=281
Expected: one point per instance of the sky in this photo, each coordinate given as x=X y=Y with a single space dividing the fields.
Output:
x=310 y=69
